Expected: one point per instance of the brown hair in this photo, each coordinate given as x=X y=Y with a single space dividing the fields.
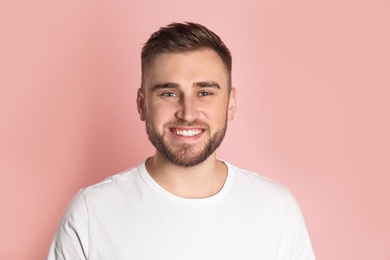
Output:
x=180 y=37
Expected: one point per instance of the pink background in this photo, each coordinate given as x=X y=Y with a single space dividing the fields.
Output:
x=312 y=83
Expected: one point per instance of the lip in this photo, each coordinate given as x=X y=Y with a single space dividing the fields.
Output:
x=186 y=133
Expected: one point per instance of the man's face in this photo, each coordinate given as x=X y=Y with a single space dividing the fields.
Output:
x=186 y=105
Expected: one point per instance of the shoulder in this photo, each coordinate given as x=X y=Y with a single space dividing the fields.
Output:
x=255 y=180
x=114 y=191
x=101 y=194
x=113 y=184
x=72 y=238
x=259 y=188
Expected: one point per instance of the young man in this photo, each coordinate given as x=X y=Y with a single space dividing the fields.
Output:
x=184 y=203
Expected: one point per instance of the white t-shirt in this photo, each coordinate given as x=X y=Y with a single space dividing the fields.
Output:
x=129 y=216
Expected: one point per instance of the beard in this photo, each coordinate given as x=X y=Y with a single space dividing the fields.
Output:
x=184 y=154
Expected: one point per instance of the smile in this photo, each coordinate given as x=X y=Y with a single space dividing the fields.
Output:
x=191 y=132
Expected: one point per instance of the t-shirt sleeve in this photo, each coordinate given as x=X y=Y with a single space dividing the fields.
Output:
x=71 y=238
x=296 y=240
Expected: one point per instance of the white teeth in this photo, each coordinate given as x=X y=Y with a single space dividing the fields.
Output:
x=187 y=132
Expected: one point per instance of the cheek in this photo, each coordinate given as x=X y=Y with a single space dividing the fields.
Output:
x=159 y=114
x=216 y=116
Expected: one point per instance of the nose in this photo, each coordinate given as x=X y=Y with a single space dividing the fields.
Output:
x=187 y=110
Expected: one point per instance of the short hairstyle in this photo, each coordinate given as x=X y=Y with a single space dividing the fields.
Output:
x=181 y=37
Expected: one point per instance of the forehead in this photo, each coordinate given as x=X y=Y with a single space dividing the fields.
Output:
x=186 y=67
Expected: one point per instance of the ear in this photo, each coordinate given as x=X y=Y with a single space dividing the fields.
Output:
x=232 y=104
x=141 y=104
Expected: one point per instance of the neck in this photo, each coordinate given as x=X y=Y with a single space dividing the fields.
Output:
x=200 y=181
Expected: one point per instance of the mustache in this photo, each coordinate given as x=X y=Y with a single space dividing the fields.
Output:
x=184 y=123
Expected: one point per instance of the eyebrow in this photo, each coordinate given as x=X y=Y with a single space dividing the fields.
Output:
x=207 y=84
x=165 y=86
x=171 y=85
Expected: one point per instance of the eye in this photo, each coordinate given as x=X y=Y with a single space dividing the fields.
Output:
x=168 y=94
x=205 y=93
